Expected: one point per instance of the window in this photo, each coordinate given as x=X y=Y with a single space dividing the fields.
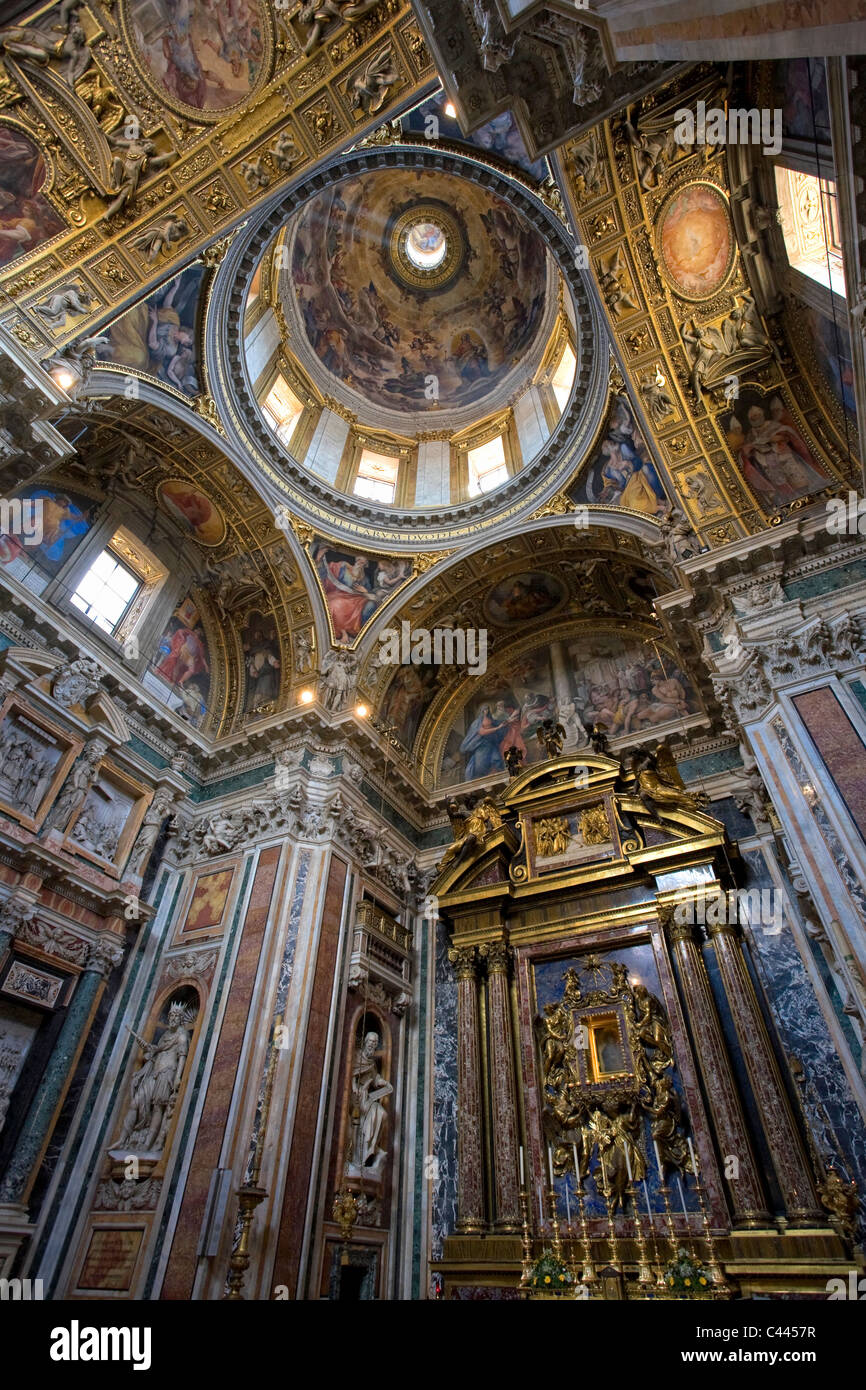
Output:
x=282 y=410
x=105 y=592
x=487 y=466
x=563 y=377
x=810 y=226
x=377 y=476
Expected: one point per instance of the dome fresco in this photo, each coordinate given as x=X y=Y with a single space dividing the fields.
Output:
x=414 y=292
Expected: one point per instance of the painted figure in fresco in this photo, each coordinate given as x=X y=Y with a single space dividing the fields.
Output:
x=62 y=522
x=263 y=670
x=775 y=458
x=185 y=656
x=26 y=216
x=349 y=598
x=483 y=744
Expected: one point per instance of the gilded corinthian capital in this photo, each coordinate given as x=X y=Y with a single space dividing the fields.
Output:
x=465 y=961
x=498 y=956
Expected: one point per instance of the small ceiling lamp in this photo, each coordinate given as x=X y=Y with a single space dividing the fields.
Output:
x=306 y=697
x=451 y=110
x=361 y=711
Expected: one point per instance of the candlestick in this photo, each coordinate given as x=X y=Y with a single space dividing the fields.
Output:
x=659 y=1161
x=527 y=1236
x=554 y=1222
x=567 y=1205
x=576 y=1164
x=522 y=1174
x=660 y=1279
x=644 y=1272
x=610 y=1224
x=627 y=1162
x=715 y=1268
x=550 y=1162
x=692 y=1156
x=588 y=1270
x=540 y=1206
x=683 y=1200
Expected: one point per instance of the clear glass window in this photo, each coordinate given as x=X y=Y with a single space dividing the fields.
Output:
x=810 y=226
x=282 y=410
x=377 y=477
x=105 y=592
x=563 y=377
x=487 y=466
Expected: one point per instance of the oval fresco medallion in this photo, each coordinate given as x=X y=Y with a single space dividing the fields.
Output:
x=201 y=55
x=522 y=597
x=695 y=241
x=201 y=517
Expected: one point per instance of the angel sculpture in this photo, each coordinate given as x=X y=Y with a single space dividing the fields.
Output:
x=658 y=780
x=369 y=90
x=72 y=365
x=513 y=758
x=613 y=278
x=707 y=348
x=469 y=830
x=551 y=737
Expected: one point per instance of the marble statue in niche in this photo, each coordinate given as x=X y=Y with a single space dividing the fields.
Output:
x=149 y=832
x=154 y=1087
x=369 y=1116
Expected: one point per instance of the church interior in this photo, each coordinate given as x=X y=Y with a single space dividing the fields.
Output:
x=432 y=650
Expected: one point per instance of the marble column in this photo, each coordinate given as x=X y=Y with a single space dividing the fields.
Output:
x=503 y=1090
x=746 y=1190
x=104 y=955
x=789 y=1160
x=470 y=1159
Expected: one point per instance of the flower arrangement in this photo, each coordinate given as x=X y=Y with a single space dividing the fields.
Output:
x=684 y=1275
x=549 y=1274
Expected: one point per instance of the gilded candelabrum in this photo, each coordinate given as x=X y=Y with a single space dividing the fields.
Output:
x=345 y=1212
x=554 y=1222
x=249 y=1197
x=644 y=1272
x=612 y=1237
x=718 y=1278
x=527 y=1236
x=588 y=1268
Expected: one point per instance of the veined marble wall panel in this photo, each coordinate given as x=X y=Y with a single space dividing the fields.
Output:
x=833 y=1113
x=261 y=344
x=326 y=446
x=829 y=861
x=104 y=1067
x=444 y=1137
x=290 y=1243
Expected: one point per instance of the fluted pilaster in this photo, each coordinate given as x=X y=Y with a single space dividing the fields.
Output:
x=503 y=1090
x=470 y=1166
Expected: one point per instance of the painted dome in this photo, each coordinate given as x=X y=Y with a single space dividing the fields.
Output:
x=414 y=294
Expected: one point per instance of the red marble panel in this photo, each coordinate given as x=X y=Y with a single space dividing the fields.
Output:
x=180 y=1273
x=840 y=746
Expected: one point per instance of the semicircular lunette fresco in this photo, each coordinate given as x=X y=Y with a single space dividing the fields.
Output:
x=201 y=53
x=632 y=687
x=385 y=339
